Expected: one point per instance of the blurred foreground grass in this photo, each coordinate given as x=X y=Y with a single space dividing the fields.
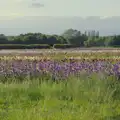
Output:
x=83 y=98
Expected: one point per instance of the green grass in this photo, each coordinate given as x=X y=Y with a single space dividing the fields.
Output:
x=92 y=98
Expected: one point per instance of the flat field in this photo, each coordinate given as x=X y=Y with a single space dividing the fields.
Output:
x=73 y=84
x=38 y=51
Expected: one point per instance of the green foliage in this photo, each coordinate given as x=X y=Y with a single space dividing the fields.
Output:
x=75 y=99
x=75 y=37
x=36 y=38
x=70 y=37
x=3 y=39
x=23 y=46
x=63 y=46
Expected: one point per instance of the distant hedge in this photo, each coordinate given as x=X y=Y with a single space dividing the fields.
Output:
x=23 y=46
x=36 y=46
x=64 y=46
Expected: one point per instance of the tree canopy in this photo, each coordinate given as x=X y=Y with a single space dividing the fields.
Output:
x=70 y=36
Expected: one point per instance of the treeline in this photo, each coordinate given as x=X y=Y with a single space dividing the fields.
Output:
x=33 y=38
x=70 y=38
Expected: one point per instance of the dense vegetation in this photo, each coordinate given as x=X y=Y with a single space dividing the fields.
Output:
x=76 y=99
x=60 y=86
x=70 y=36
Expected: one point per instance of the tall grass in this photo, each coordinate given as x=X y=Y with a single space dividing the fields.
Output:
x=83 y=98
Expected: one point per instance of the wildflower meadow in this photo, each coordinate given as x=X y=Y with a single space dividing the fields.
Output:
x=60 y=86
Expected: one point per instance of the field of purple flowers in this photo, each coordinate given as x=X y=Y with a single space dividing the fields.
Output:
x=60 y=86
x=60 y=65
x=59 y=69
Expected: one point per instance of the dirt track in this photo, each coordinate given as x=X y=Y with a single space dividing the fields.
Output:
x=5 y=52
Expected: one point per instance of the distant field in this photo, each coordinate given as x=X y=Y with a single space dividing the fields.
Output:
x=38 y=51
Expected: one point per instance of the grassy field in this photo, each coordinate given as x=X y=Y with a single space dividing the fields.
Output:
x=93 y=97
x=75 y=99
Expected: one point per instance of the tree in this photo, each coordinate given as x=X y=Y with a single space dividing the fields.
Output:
x=52 y=40
x=116 y=40
x=90 y=42
x=74 y=37
x=3 y=39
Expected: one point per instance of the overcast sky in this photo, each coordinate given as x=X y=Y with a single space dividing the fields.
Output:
x=81 y=8
x=18 y=16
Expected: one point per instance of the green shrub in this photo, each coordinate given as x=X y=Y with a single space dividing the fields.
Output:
x=63 y=46
x=24 y=46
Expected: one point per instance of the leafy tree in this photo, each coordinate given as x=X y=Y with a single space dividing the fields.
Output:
x=74 y=37
x=70 y=36
x=3 y=39
x=116 y=40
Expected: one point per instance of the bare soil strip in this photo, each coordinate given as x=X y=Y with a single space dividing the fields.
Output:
x=39 y=51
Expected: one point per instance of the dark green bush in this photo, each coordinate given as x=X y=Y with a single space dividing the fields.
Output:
x=24 y=46
x=63 y=46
